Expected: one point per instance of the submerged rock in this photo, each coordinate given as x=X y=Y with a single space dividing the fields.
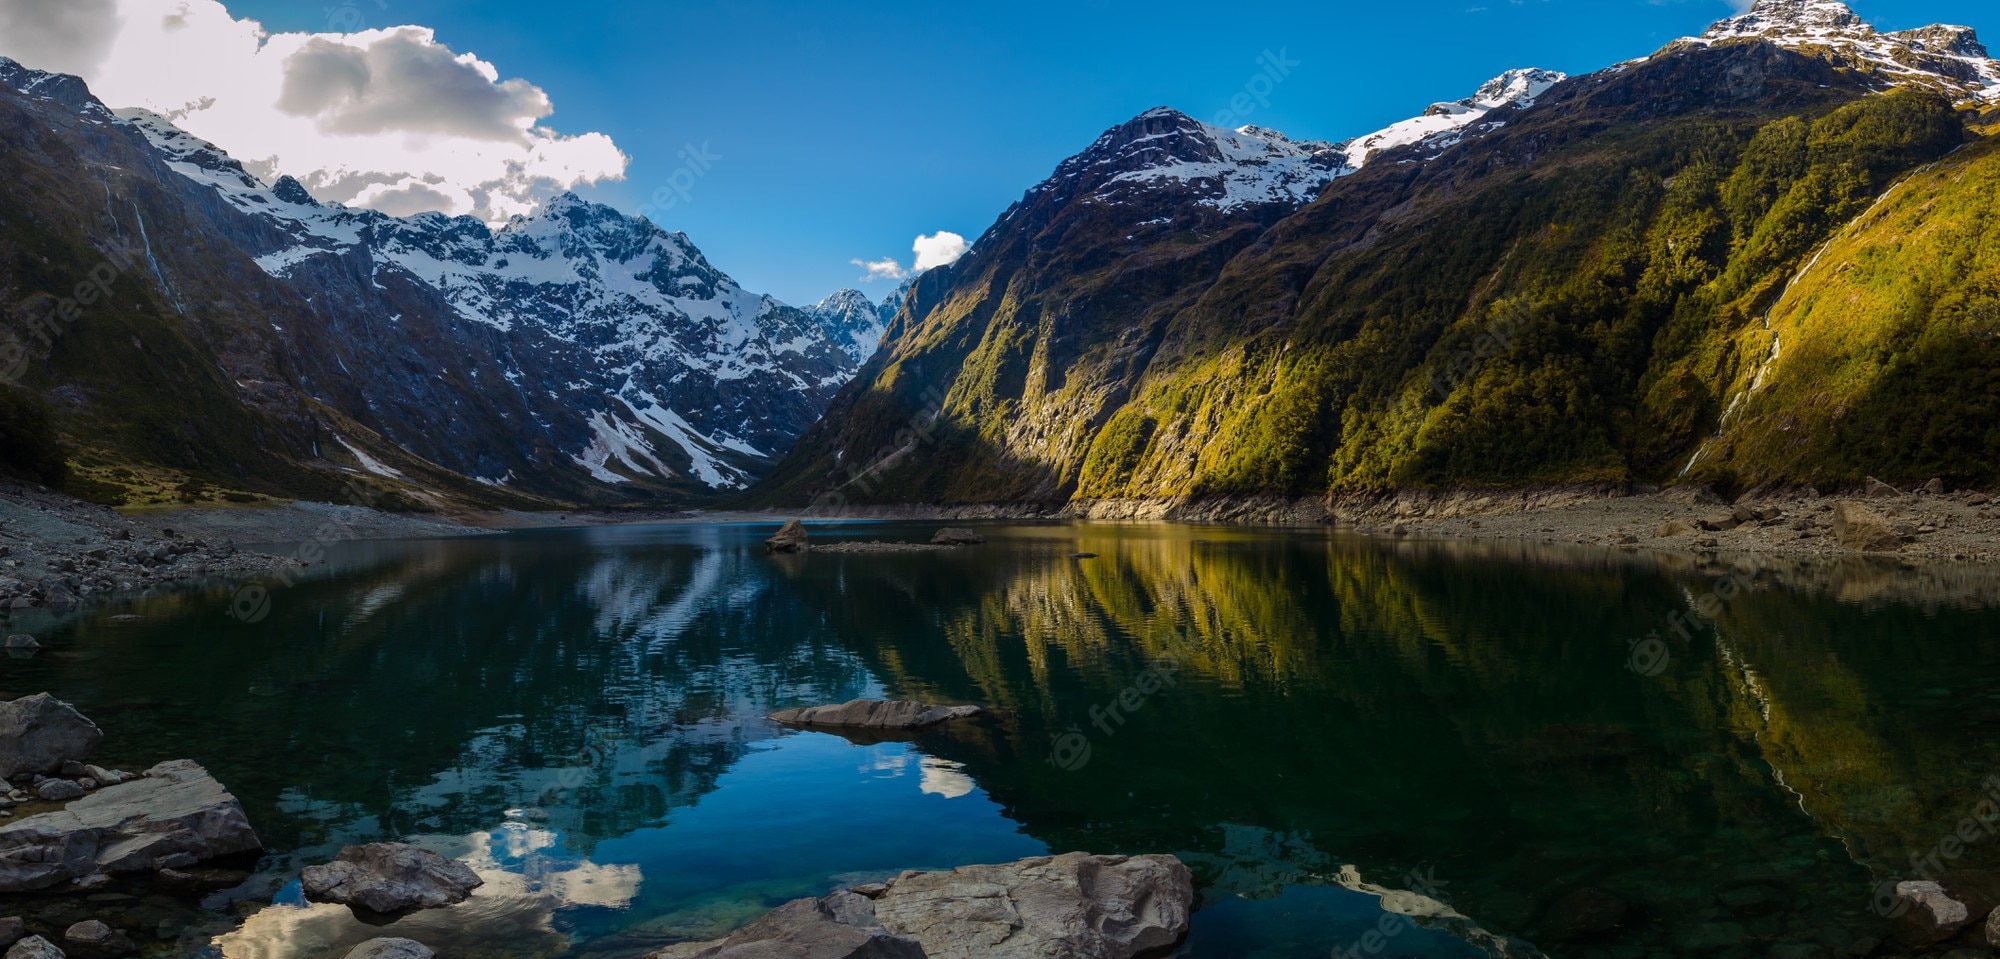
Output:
x=39 y=733
x=90 y=932
x=956 y=536
x=1928 y=913
x=174 y=816
x=875 y=714
x=391 y=949
x=1074 y=906
x=390 y=878
x=790 y=538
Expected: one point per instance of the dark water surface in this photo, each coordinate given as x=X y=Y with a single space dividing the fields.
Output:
x=1311 y=720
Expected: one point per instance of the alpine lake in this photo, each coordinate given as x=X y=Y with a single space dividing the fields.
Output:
x=1552 y=750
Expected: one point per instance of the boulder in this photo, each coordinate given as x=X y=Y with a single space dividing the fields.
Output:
x=58 y=790
x=391 y=949
x=1934 y=488
x=1719 y=522
x=800 y=929
x=173 y=816
x=34 y=947
x=1927 y=913
x=90 y=932
x=39 y=733
x=1858 y=527
x=791 y=538
x=12 y=930
x=875 y=714
x=390 y=878
x=1993 y=928
x=1074 y=906
x=1876 y=489
x=1672 y=527
x=23 y=641
x=956 y=536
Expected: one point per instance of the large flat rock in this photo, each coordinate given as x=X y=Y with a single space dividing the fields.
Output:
x=875 y=714
x=175 y=815
x=1073 y=906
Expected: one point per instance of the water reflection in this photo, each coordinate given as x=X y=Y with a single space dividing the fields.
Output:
x=578 y=715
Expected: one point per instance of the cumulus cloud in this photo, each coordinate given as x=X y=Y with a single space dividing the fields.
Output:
x=942 y=248
x=390 y=119
x=883 y=269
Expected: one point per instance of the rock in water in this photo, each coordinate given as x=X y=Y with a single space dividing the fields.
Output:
x=875 y=714
x=791 y=538
x=176 y=815
x=1858 y=527
x=34 y=947
x=1074 y=906
x=12 y=930
x=88 y=933
x=956 y=536
x=391 y=949
x=39 y=733
x=804 y=928
x=23 y=641
x=59 y=790
x=390 y=878
x=1928 y=913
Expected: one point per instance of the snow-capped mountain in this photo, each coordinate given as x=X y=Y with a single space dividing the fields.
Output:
x=1253 y=167
x=1945 y=57
x=676 y=371
x=1444 y=124
x=854 y=322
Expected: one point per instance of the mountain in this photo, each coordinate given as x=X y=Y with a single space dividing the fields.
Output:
x=575 y=355
x=1575 y=285
x=854 y=322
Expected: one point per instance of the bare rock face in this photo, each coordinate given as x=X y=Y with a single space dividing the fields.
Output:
x=391 y=949
x=875 y=714
x=956 y=536
x=1073 y=906
x=173 y=816
x=791 y=538
x=1858 y=527
x=39 y=733
x=390 y=878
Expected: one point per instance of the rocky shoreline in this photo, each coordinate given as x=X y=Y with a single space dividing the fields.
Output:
x=56 y=551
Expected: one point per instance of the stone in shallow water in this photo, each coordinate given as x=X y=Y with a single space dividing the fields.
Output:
x=875 y=714
x=59 y=790
x=791 y=538
x=177 y=814
x=1073 y=906
x=90 y=932
x=1928 y=913
x=391 y=949
x=390 y=878
x=34 y=947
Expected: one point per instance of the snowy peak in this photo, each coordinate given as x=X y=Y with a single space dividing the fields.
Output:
x=1224 y=170
x=1445 y=125
x=854 y=322
x=1946 y=58
x=60 y=87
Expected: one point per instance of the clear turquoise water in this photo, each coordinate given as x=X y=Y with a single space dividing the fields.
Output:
x=578 y=714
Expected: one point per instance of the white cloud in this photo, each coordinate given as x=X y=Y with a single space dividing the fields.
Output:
x=942 y=248
x=884 y=269
x=385 y=118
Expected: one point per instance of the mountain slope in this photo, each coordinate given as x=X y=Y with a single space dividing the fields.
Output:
x=1572 y=293
x=577 y=354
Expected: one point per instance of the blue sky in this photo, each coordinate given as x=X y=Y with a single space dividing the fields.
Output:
x=840 y=132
